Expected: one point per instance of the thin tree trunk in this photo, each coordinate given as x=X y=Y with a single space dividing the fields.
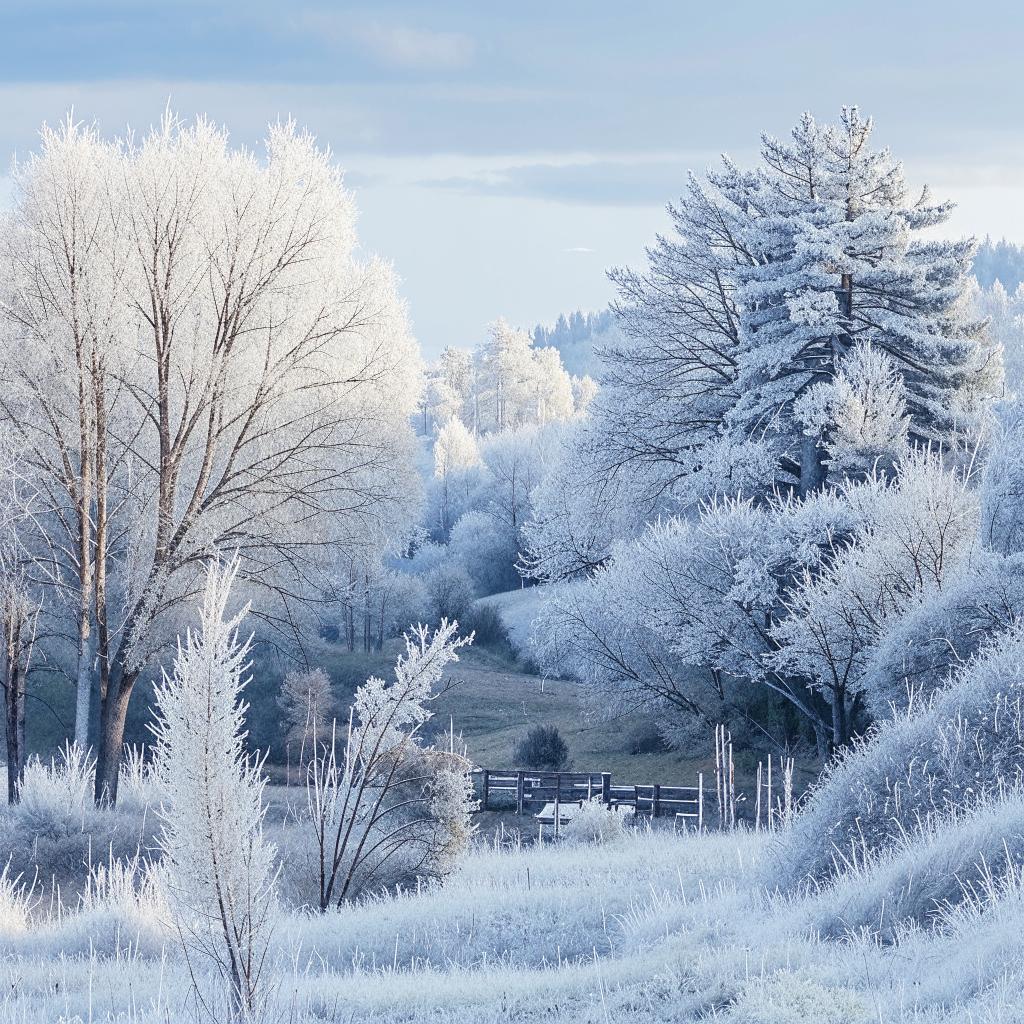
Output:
x=14 y=692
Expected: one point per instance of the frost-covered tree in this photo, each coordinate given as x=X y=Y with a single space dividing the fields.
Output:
x=836 y=258
x=221 y=869
x=860 y=415
x=913 y=541
x=1004 y=311
x=209 y=365
x=456 y=454
x=307 y=706
x=796 y=321
x=504 y=383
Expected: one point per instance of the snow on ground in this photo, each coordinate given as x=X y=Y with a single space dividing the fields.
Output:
x=518 y=609
x=652 y=927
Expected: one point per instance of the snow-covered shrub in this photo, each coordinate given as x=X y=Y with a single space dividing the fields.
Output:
x=125 y=905
x=916 y=770
x=220 y=869
x=138 y=788
x=920 y=650
x=488 y=627
x=593 y=823
x=485 y=548
x=56 y=795
x=16 y=903
x=383 y=809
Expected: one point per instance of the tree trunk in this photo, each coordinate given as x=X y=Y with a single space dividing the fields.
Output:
x=112 y=721
x=812 y=467
x=87 y=650
x=840 y=719
x=14 y=691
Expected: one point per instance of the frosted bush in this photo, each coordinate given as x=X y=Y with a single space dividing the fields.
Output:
x=593 y=823
x=790 y=998
x=57 y=795
x=916 y=770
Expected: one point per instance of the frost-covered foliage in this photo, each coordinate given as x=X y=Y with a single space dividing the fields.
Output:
x=786 y=598
x=384 y=809
x=55 y=834
x=999 y=262
x=594 y=823
x=1002 y=306
x=307 y=708
x=505 y=382
x=796 y=325
x=860 y=414
x=482 y=509
x=578 y=338
x=221 y=870
x=917 y=769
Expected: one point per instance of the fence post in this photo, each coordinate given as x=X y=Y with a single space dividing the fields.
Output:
x=486 y=786
x=700 y=801
x=558 y=787
x=606 y=788
x=520 y=790
x=656 y=801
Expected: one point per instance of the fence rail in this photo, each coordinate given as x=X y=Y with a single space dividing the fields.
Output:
x=527 y=788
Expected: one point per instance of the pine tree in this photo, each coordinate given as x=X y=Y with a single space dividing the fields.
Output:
x=836 y=259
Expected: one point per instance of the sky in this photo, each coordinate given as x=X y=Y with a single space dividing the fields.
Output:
x=503 y=156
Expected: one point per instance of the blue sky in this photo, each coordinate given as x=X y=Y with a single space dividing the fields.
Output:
x=504 y=155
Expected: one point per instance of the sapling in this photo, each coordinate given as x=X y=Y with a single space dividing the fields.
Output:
x=221 y=870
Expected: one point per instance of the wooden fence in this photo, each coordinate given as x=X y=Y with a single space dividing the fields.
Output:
x=527 y=789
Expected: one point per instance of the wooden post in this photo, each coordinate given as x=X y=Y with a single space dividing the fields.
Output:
x=558 y=809
x=700 y=801
x=590 y=787
x=656 y=801
x=486 y=787
x=771 y=810
x=757 y=803
x=520 y=790
x=606 y=788
x=558 y=786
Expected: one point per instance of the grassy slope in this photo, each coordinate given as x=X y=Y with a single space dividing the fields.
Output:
x=494 y=704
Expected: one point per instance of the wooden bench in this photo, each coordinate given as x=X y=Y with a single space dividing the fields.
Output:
x=566 y=812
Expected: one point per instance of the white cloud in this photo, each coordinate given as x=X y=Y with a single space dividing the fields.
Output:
x=421 y=49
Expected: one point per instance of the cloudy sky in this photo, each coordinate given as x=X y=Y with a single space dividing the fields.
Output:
x=504 y=155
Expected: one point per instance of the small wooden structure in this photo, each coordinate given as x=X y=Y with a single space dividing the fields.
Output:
x=565 y=813
x=563 y=789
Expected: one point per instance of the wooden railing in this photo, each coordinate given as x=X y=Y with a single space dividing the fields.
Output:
x=526 y=789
